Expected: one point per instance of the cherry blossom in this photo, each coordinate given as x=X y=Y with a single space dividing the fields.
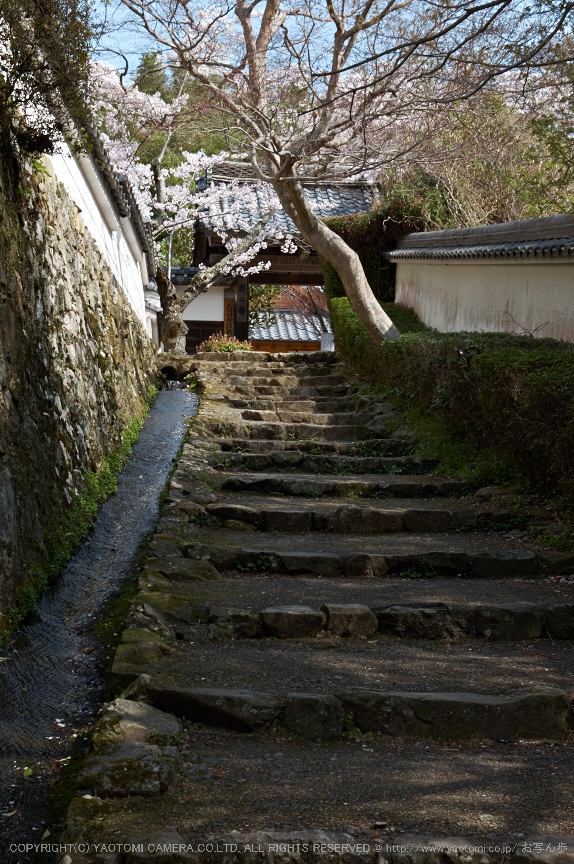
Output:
x=170 y=198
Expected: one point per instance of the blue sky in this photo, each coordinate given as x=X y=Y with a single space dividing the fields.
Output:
x=119 y=36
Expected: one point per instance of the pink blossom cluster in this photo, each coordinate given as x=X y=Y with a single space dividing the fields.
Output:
x=127 y=116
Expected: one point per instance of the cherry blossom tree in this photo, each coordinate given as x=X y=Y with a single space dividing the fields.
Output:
x=169 y=196
x=335 y=89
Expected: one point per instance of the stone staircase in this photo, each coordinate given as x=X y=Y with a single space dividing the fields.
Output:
x=342 y=641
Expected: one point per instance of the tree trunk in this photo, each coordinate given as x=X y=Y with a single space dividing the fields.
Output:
x=341 y=257
x=173 y=330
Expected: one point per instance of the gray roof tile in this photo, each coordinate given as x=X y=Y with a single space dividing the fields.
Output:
x=546 y=237
x=289 y=327
x=325 y=199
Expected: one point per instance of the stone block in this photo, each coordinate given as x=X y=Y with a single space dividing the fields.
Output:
x=460 y=716
x=362 y=565
x=502 y=565
x=184 y=569
x=426 y=521
x=559 y=621
x=464 y=520
x=242 y=710
x=404 y=490
x=319 y=465
x=321 y=520
x=222 y=557
x=308 y=487
x=313 y=717
x=421 y=621
x=182 y=509
x=446 y=562
x=321 y=563
x=292 y=521
x=130 y=768
x=145 y=617
x=497 y=519
x=350 y=620
x=139 y=653
x=138 y=635
x=292 y=622
x=161 y=547
x=233 y=511
x=365 y=520
x=245 y=623
x=125 y=720
x=287 y=458
x=558 y=562
x=359 y=488
x=511 y=622
x=151 y=581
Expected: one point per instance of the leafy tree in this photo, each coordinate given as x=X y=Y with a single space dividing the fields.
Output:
x=330 y=89
x=44 y=64
x=502 y=161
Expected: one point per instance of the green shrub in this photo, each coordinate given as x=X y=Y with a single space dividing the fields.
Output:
x=503 y=404
x=226 y=344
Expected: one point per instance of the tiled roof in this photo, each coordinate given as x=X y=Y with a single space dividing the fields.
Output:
x=326 y=199
x=289 y=327
x=549 y=237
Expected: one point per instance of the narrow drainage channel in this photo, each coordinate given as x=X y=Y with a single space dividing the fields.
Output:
x=48 y=686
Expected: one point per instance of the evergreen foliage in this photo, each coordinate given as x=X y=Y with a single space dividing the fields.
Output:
x=44 y=62
x=490 y=405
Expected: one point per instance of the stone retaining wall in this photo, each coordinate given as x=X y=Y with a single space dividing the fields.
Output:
x=75 y=364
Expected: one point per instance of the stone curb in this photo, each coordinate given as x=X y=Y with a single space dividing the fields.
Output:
x=530 y=714
x=484 y=565
x=349 y=519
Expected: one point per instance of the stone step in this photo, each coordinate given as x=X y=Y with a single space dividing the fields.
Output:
x=323 y=464
x=286 y=380
x=453 y=716
x=300 y=358
x=283 y=392
x=356 y=556
x=365 y=486
x=320 y=405
x=506 y=622
x=251 y=591
x=343 y=518
x=318 y=418
x=275 y=430
x=279 y=370
x=371 y=447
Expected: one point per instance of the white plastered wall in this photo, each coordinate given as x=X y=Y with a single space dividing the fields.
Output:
x=488 y=295
x=115 y=237
x=206 y=307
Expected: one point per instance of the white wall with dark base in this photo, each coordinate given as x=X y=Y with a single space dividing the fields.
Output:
x=496 y=296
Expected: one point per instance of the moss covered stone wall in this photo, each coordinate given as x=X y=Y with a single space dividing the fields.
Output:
x=75 y=364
